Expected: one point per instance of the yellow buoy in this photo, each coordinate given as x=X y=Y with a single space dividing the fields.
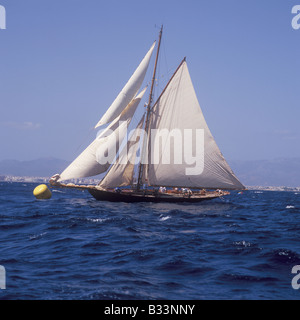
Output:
x=42 y=192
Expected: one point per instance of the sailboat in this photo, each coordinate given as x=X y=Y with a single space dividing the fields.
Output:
x=171 y=156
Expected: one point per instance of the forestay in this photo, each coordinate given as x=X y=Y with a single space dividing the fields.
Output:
x=91 y=161
x=128 y=92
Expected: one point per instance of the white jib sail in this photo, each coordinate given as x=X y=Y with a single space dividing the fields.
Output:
x=183 y=152
x=96 y=158
x=121 y=173
x=128 y=92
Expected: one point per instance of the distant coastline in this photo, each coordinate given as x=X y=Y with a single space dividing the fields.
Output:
x=278 y=174
x=272 y=188
x=29 y=179
x=9 y=178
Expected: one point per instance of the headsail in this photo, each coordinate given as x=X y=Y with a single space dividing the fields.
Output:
x=128 y=92
x=89 y=162
x=121 y=173
x=177 y=112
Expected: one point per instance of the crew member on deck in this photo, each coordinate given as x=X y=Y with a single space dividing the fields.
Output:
x=162 y=189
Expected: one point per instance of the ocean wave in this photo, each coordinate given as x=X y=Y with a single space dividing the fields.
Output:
x=164 y=218
x=244 y=247
x=283 y=256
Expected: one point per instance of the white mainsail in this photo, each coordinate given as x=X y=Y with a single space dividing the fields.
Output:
x=89 y=162
x=121 y=173
x=128 y=92
x=178 y=114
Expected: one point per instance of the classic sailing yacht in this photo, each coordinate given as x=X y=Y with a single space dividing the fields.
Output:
x=178 y=156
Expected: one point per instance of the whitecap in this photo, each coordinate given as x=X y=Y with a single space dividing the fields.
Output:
x=37 y=236
x=283 y=253
x=96 y=220
x=242 y=243
x=290 y=207
x=164 y=218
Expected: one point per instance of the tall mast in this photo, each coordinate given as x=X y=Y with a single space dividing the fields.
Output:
x=147 y=122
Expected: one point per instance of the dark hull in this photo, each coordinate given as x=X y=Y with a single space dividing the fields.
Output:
x=106 y=195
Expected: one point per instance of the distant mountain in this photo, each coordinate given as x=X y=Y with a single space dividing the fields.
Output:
x=278 y=172
x=44 y=167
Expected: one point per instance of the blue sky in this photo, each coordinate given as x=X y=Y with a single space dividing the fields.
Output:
x=63 y=63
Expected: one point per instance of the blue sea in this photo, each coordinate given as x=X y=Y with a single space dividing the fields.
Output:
x=243 y=246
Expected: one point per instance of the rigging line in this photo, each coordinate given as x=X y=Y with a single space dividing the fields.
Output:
x=165 y=56
x=141 y=166
x=157 y=87
x=84 y=140
x=184 y=59
x=163 y=78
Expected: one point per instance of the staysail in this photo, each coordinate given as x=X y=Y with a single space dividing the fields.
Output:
x=122 y=172
x=91 y=161
x=128 y=92
x=182 y=150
